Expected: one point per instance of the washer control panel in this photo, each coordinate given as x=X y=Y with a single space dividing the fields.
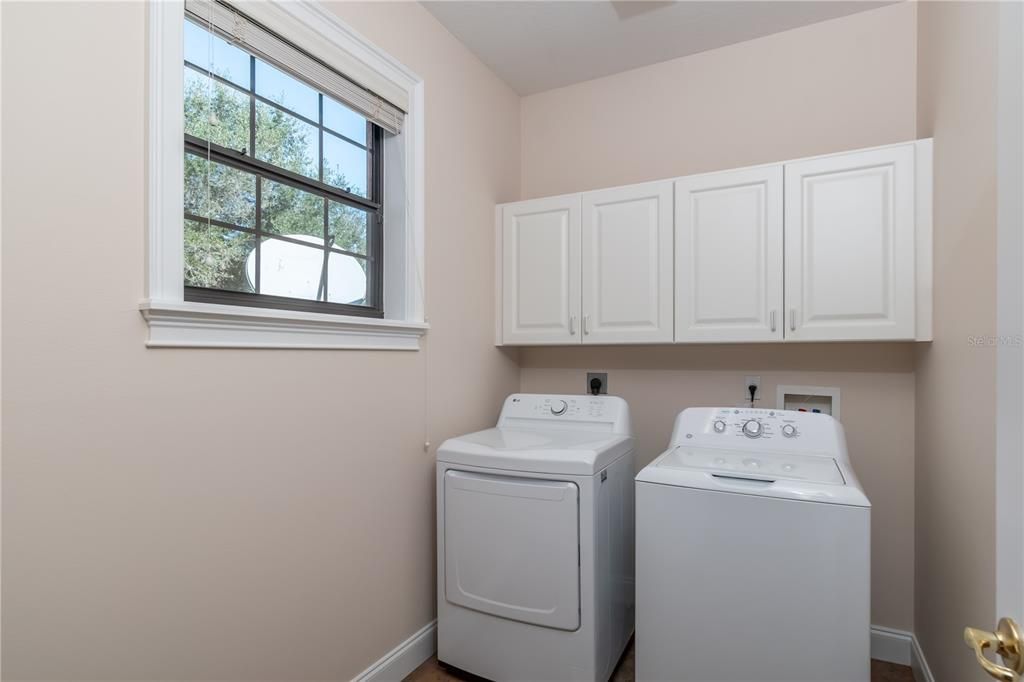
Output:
x=739 y=427
x=752 y=424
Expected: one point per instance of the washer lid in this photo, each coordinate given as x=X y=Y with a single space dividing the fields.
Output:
x=777 y=474
x=814 y=469
x=554 y=451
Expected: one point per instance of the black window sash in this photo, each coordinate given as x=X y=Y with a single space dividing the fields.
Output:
x=261 y=169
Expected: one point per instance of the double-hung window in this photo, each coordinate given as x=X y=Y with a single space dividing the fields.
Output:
x=284 y=181
x=283 y=173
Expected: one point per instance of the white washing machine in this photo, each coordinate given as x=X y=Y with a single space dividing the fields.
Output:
x=753 y=552
x=535 y=541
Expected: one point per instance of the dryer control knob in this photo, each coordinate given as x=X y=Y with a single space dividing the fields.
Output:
x=788 y=430
x=559 y=407
x=719 y=426
x=752 y=428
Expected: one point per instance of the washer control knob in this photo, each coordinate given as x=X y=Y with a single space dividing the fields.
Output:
x=719 y=426
x=752 y=428
x=559 y=407
x=788 y=430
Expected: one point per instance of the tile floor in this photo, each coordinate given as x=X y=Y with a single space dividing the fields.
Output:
x=432 y=671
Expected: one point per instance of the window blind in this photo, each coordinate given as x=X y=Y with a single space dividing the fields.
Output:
x=252 y=37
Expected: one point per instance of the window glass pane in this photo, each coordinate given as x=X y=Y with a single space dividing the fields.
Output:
x=345 y=165
x=346 y=279
x=291 y=212
x=289 y=269
x=215 y=112
x=216 y=258
x=308 y=246
x=347 y=227
x=210 y=52
x=289 y=92
x=286 y=142
x=219 y=192
x=344 y=121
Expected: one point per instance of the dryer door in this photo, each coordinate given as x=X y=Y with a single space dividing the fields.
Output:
x=512 y=547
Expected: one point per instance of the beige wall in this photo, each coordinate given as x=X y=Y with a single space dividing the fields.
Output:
x=836 y=85
x=216 y=514
x=839 y=84
x=955 y=467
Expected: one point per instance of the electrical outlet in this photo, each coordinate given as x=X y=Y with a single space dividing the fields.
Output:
x=747 y=383
x=600 y=376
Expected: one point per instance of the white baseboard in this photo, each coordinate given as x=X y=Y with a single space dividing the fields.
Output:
x=404 y=658
x=922 y=673
x=889 y=644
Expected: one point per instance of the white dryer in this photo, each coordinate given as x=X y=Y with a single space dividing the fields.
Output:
x=753 y=552
x=535 y=541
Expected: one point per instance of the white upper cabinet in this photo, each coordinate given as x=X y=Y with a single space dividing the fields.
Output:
x=627 y=264
x=728 y=264
x=850 y=246
x=831 y=248
x=541 y=271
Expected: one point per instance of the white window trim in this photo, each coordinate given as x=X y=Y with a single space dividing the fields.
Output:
x=172 y=321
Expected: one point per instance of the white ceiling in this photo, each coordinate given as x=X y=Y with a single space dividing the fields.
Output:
x=539 y=45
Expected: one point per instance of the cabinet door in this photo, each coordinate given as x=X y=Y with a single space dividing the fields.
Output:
x=729 y=256
x=850 y=246
x=541 y=271
x=627 y=264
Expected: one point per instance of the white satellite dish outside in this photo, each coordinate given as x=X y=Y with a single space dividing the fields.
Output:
x=293 y=270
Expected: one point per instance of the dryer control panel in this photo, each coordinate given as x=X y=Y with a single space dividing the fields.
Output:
x=603 y=413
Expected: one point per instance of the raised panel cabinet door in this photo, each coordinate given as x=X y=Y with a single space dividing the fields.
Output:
x=627 y=264
x=729 y=256
x=541 y=271
x=850 y=246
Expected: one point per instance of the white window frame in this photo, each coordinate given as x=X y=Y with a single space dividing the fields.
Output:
x=175 y=322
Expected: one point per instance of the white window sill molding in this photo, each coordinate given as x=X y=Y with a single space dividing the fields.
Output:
x=174 y=324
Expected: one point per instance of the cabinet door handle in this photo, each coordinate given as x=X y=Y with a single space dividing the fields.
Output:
x=792 y=319
x=572 y=325
x=586 y=324
x=771 y=318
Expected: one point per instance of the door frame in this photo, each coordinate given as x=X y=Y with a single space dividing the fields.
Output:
x=1009 y=469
